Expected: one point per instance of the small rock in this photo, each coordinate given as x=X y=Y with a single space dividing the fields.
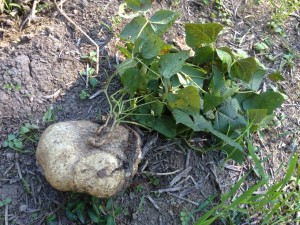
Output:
x=23 y=208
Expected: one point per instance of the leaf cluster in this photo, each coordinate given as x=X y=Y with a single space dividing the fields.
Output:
x=86 y=209
x=28 y=132
x=206 y=88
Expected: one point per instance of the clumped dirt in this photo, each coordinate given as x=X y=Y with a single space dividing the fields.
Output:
x=44 y=61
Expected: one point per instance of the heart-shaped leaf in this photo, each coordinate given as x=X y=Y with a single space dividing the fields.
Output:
x=244 y=69
x=134 y=28
x=139 y=5
x=172 y=63
x=198 y=34
x=162 y=20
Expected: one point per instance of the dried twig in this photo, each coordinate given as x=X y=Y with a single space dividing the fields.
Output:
x=153 y=202
x=178 y=177
x=162 y=174
x=6 y=215
x=85 y=34
x=184 y=199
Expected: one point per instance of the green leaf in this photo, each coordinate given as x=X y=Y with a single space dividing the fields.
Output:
x=126 y=64
x=203 y=55
x=109 y=204
x=93 y=216
x=110 y=220
x=149 y=44
x=196 y=74
x=276 y=76
x=5 y=202
x=244 y=69
x=162 y=20
x=211 y=101
x=18 y=144
x=261 y=46
x=5 y=144
x=51 y=220
x=165 y=125
x=11 y=137
x=198 y=34
x=124 y=51
x=257 y=115
x=71 y=216
x=24 y=130
x=139 y=5
x=228 y=118
x=204 y=124
x=132 y=80
x=172 y=63
x=80 y=215
x=267 y=100
x=225 y=57
x=234 y=153
x=185 y=119
x=186 y=99
x=134 y=28
x=256 y=80
x=93 y=81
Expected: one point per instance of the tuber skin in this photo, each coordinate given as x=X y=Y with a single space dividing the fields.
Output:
x=73 y=160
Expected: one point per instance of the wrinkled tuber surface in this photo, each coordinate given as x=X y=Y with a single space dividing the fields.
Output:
x=72 y=163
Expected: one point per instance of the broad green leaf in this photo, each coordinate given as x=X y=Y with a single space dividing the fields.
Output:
x=186 y=99
x=165 y=125
x=185 y=119
x=228 y=117
x=5 y=202
x=139 y=5
x=196 y=74
x=256 y=80
x=203 y=55
x=172 y=63
x=211 y=101
x=225 y=57
x=134 y=28
x=204 y=124
x=244 y=69
x=267 y=100
x=218 y=81
x=132 y=80
x=256 y=115
x=276 y=76
x=126 y=64
x=149 y=44
x=198 y=34
x=162 y=20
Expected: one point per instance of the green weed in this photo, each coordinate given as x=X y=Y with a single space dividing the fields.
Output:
x=84 y=95
x=278 y=204
x=12 y=87
x=28 y=132
x=49 y=115
x=85 y=209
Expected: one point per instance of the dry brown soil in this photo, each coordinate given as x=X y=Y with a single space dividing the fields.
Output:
x=43 y=59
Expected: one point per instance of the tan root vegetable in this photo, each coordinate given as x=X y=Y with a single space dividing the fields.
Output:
x=74 y=159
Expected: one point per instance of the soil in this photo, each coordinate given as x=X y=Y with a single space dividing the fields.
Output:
x=40 y=71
